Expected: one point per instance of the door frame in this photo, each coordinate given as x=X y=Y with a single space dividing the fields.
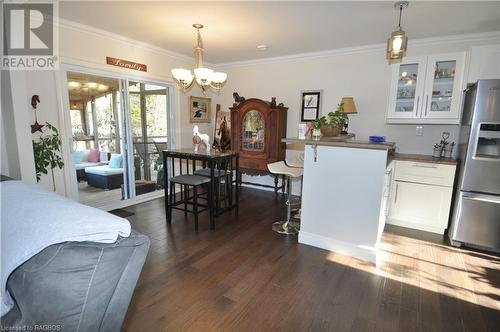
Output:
x=71 y=182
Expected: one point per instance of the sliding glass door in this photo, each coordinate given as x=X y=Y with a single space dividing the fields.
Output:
x=119 y=128
x=149 y=126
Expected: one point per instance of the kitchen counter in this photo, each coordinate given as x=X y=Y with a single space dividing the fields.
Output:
x=424 y=159
x=343 y=195
x=347 y=141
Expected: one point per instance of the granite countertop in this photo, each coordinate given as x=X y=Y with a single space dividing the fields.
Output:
x=346 y=141
x=424 y=158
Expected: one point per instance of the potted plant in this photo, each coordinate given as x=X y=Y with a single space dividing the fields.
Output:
x=47 y=153
x=333 y=123
x=316 y=127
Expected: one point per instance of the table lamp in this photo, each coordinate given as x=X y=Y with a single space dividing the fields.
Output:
x=349 y=108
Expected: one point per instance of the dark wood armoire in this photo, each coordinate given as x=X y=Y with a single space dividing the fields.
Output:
x=257 y=128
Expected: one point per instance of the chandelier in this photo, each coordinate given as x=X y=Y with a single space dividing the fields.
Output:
x=204 y=77
x=397 y=42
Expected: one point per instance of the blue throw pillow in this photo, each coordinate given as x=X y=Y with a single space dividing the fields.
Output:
x=77 y=157
x=116 y=161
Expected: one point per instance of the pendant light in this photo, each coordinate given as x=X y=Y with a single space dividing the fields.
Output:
x=204 y=77
x=397 y=43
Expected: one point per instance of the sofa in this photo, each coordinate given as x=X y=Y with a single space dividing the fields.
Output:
x=108 y=176
x=88 y=158
x=77 y=286
x=65 y=266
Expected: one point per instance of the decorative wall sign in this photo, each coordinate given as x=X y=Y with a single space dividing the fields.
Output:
x=126 y=64
x=311 y=104
x=199 y=109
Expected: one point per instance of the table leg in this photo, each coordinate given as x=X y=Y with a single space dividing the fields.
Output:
x=165 y=183
x=211 y=193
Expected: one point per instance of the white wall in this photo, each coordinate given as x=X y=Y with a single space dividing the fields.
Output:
x=85 y=47
x=362 y=74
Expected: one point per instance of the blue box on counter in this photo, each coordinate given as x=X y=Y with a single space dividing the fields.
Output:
x=376 y=139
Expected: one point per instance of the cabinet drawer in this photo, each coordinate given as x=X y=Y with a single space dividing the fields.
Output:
x=427 y=173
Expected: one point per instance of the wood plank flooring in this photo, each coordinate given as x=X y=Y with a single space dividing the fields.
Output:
x=244 y=277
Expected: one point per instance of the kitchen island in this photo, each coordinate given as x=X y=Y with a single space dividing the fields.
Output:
x=344 y=194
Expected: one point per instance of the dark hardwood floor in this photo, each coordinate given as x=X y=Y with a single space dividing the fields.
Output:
x=244 y=277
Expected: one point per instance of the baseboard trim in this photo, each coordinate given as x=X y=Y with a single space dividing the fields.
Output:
x=420 y=227
x=319 y=241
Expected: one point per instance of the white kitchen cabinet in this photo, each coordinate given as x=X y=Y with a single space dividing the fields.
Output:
x=427 y=89
x=421 y=195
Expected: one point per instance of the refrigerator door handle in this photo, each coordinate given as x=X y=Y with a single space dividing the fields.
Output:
x=482 y=198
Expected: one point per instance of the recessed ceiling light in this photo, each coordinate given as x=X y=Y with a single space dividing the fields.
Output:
x=262 y=47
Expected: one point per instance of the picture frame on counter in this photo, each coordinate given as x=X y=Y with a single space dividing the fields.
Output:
x=310 y=105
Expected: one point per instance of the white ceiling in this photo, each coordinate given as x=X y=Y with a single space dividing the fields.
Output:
x=234 y=29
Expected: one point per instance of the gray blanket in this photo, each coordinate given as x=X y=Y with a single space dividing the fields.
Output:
x=33 y=219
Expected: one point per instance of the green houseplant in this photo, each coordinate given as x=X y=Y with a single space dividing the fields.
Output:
x=47 y=152
x=331 y=124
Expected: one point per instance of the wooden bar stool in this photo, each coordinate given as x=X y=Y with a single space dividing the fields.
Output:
x=280 y=168
x=188 y=181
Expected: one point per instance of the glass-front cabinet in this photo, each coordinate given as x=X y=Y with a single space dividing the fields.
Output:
x=427 y=89
x=253 y=131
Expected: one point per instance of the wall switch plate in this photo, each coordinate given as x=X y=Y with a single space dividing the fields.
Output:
x=419 y=130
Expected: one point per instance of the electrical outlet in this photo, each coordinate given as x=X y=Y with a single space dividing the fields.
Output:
x=419 y=130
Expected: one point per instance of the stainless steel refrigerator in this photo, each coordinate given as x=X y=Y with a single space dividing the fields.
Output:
x=476 y=216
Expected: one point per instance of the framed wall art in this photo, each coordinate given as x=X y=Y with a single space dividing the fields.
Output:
x=222 y=135
x=310 y=105
x=199 y=109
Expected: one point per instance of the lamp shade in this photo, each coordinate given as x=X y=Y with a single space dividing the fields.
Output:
x=349 y=106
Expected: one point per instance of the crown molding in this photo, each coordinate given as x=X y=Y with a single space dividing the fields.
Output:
x=451 y=39
x=64 y=23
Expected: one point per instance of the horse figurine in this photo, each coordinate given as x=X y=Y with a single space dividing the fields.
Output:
x=225 y=140
x=200 y=138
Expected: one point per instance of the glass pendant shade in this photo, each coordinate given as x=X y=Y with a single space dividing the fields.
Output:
x=396 y=46
x=203 y=76
x=219 y=77
x=182 y=75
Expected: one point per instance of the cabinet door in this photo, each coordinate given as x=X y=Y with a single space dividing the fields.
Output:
x=406 y=89
x=420 y=206
x=443 y=86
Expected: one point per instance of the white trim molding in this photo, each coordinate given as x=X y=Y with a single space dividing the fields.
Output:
x=373 y=48
x=360 y=252
x=64 y=23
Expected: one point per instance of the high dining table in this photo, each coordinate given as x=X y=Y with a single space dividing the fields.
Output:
x=189 y=161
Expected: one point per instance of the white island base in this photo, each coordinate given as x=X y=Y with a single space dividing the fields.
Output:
x=342 y=198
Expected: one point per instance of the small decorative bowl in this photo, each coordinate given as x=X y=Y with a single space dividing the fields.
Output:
x=376 y=139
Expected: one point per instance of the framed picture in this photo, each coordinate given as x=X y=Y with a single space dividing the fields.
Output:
x=222 y=135
x=199 y=109
x=311 y=104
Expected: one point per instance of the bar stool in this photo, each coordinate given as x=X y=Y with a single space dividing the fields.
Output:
x=297 y=160
x=280 y=168
x=188 y=180
x=223 y=179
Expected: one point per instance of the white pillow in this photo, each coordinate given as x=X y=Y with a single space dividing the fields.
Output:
x=85 y=156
